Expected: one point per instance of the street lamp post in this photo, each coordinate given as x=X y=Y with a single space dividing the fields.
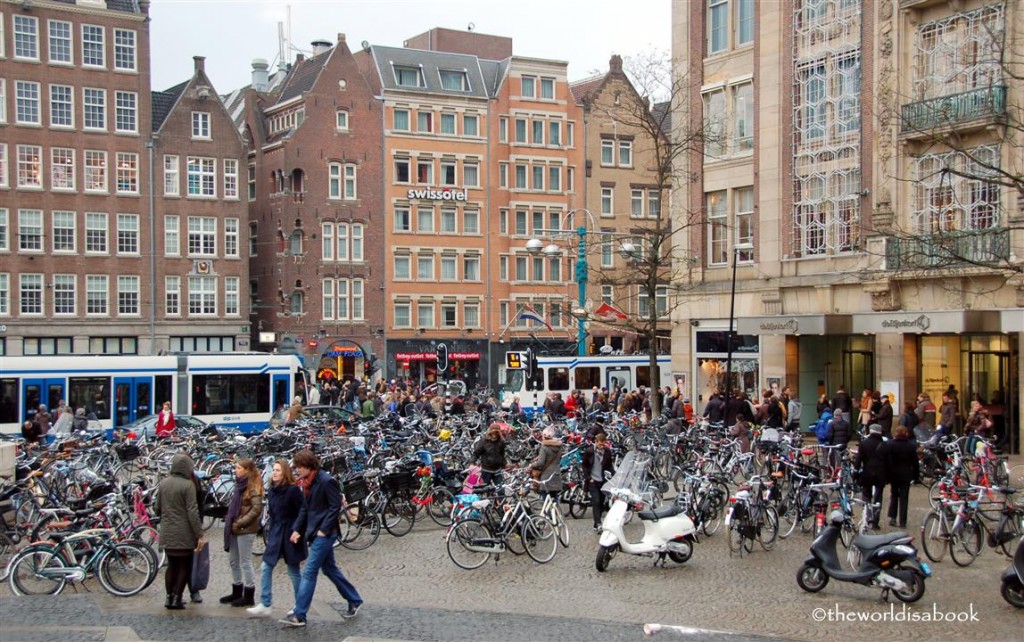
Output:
x=739 y=247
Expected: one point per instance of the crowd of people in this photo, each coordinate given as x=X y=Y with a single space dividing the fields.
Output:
x=60 y=422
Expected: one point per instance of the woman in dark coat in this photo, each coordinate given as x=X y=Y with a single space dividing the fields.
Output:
x=284 y=501
x=901 y=468
x=870 y=461
x=180 y=528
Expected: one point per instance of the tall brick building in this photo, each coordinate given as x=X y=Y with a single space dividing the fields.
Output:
x=85 y=262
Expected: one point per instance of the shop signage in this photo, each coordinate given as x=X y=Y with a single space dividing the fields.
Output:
x=954 y=321
x=432 y=356
x=337 y=351
x=816 y=324
x=921 y=323
x=461 y=195
x=791 y=326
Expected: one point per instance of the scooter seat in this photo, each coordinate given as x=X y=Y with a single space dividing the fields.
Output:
x=867 y=542
x=670 y=510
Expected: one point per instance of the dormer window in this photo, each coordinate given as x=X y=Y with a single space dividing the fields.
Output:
x=408 y=76
x=454 y=80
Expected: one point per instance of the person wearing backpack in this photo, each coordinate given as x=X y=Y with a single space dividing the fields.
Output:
x=822 y=426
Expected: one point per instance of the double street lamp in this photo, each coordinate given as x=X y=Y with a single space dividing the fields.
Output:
x=736 y=249
x=536 y=247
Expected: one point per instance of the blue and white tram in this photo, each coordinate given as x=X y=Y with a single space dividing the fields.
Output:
x=237 y=390
x=565 y=374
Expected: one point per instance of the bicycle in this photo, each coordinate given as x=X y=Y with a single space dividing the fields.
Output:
x=751 y=517
x=123 y=568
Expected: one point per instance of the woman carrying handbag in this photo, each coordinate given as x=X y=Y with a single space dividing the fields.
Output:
x=240 y=527
x=284 y=501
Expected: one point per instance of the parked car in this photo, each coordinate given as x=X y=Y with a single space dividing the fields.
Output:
x=147 y=425
x=335 y=414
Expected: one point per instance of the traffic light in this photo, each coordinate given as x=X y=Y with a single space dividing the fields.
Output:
x=531 y=363
x=442 y=358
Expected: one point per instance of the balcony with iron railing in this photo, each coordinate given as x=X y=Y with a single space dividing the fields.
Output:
x=981 y=104
x=981 y=248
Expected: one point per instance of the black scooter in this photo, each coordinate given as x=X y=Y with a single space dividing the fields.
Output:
x=889 y=562
x=1012 y=588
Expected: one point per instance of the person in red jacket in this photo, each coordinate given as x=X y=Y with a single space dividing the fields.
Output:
x=165 y=421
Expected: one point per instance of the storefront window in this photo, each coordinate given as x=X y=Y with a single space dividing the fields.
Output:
x=940 y=366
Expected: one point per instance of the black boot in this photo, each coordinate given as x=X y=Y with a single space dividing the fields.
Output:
x=247 y=598
x=169 y=601
x=176 y=603
x=236 y=592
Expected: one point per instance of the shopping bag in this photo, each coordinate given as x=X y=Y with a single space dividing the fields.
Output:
x=200 y=568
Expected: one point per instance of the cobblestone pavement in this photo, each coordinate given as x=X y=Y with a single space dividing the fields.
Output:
x=414 y=592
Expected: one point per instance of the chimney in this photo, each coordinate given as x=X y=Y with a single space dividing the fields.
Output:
x=320 y=46
x=615 y=64
x=260 y=75
x=200 y=63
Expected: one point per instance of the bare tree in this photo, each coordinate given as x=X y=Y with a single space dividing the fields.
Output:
x=639 y=98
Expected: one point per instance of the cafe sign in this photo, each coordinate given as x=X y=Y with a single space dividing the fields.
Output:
x=432 y=356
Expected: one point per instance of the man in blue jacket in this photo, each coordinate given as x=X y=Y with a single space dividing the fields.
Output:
x=318 y=520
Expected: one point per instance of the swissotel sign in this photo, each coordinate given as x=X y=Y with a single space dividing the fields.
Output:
x=439 y=195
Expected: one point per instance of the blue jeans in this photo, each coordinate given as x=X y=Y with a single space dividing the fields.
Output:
x=267 y=581
x=321 y=557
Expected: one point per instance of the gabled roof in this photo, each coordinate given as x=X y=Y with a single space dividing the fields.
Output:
x=431 y=63
x=303 y=76
x=127 y=6
x=163 y=103
x=582 y=89
x=662 y=114
x=493 y=72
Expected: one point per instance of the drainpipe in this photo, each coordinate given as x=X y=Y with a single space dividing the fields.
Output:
x=152 y=251
x=488 y=297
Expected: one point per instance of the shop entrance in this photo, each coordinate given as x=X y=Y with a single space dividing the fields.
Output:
x=988 y=374
x=859 y=370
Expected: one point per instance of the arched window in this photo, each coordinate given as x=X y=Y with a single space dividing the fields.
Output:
x=298 y=181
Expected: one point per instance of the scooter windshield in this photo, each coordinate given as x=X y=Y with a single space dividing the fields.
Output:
x=631 y=477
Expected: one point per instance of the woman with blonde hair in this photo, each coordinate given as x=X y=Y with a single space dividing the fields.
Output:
x=240 y=527
x=284 y=501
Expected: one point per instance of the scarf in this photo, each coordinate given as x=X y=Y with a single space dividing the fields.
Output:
x=306 y=482
x=241 y=483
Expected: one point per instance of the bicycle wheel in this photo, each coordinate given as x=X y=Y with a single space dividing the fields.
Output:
x=540 y=538
x=1012 y=527
x=359 y=527
x=578 y=503
x=847 y=532
x=126 y=569
x=561 y=528
x=789 y=515
x=399 y=515
x=934 y=495
x=965 y=545
x=769 y=533
x=735 y=539
x=662 y=463
x=151 y=537
x=28 y=572
x=466 y=535
x=934 y=537
x=440 y=507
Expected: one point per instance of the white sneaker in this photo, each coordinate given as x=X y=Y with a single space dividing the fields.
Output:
x=259 y=611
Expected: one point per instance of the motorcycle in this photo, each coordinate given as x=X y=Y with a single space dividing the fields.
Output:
x=889 y=562
x=1012 y=588
x=668 y=531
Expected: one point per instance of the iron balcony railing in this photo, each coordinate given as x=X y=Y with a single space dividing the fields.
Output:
x=955 y=108
x=948 y=250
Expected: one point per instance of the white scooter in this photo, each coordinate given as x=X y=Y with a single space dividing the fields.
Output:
x=668 y=531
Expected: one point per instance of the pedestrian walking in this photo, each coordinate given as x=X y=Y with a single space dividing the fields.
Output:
x=870 y=462
x=284 y=502
x=597 y=462
x=901 y=469
x=181 y=530
x=240 y=527
x=318 y=523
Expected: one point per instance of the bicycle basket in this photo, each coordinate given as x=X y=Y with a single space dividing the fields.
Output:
x=128 y=452
x=356 y=489
x=395 y=482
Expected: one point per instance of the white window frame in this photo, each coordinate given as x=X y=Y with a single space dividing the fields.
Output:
x=125 y=51
x=97 y=295
x=341 y=120
x=202 y=236
x=172 y=235
x=28 y=107
x=30 y=167
x=62 y=169
x=201 y=177
x=126 y=106
x=89 y=47
x=128 y=301
x=127 y=177
x=65 y=231
x=65 y=294
x=327 y=242
x=54 y=41
x=30 y=231
x=94 y=109
x=231 y=179
x=402 y=266
x=95 y=176
x=172 y=296
x=232 y=296
x=202 y=296
x=425 y=314
x=172 y=175
x=29 y=283
x=201 y=125
x=128 y=234
x=26 y=41
x=232 y=237
x=607 y=201
x=357 y=237
x=396 y=316
x=62 y=107
x=97 y=233
x=528 y=85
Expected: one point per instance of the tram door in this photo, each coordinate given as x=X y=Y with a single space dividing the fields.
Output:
x=618 y=376
x=133 y=399
x=40 y=391
x=279 y=393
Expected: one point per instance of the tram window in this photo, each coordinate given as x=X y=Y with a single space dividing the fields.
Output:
x=8 y=401
x=91 y=393
x=558 y=379
x=226 y=393
x=536 y=382
x=163 y=392
x=587 y=378
x=514 y=380
x=643 y=376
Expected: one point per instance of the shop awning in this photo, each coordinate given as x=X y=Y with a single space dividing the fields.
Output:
x=795 y=324
x=928 y=322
